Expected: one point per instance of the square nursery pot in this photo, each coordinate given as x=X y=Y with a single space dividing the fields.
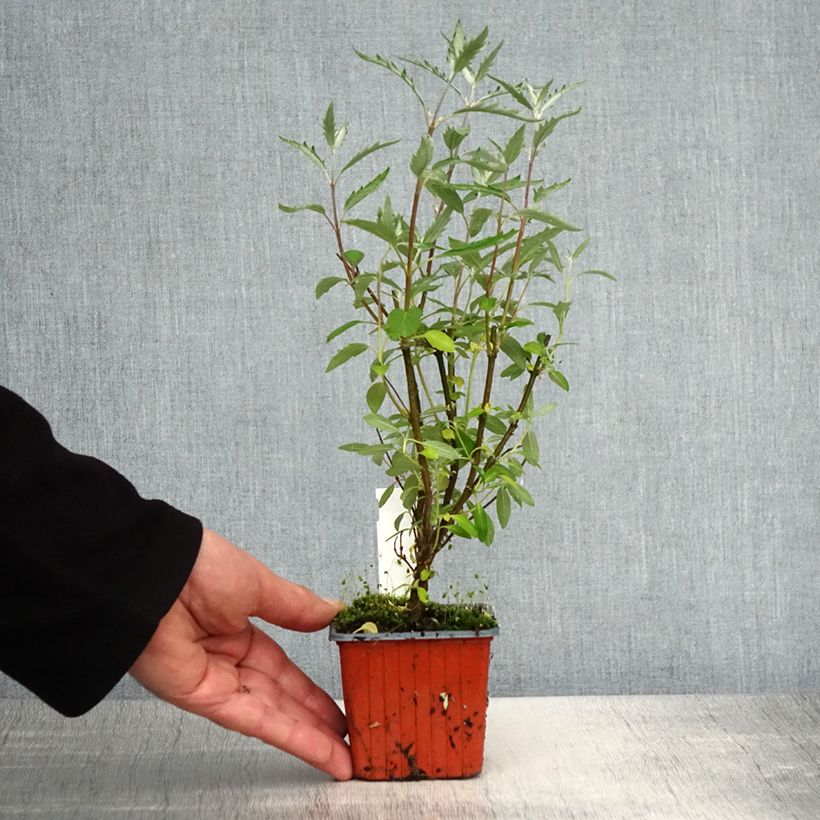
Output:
x=416 y=702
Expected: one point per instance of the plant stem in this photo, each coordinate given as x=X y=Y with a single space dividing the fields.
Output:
x=425 y=549
x=415 y=424
x=350 y=271
x=408 y=275
x=470 y=382
x=423 y=383
x=489 y=287
x=492 y=352
x=393 y=395
x=471 y=481
x=451 y=417
x=519 y=239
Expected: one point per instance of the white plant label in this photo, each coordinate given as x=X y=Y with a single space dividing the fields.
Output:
x=393 y=573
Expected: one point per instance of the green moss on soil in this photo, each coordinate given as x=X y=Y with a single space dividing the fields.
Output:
x=390 y=614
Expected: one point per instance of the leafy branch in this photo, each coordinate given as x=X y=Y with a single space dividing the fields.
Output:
x=448 y=307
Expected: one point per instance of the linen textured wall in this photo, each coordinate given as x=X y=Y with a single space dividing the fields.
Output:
x=157 y=308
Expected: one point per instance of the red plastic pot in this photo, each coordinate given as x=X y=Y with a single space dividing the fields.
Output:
x=416 y=702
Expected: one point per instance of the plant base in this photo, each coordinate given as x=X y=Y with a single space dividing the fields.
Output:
x=416 y=703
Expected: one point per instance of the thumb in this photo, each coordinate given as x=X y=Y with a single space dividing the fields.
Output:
x=289 y=605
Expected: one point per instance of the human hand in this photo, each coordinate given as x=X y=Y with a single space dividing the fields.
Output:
x=207 y=658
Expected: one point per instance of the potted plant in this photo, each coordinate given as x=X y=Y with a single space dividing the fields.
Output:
x=467 y=290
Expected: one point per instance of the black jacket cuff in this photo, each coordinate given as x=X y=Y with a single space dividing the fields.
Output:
x=88 y=567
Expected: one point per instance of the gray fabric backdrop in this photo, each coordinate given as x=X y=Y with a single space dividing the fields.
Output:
x=157 y=307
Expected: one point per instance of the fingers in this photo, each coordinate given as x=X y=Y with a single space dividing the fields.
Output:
x=290 y=605
x=266 y=656
x=229 y=584
x=251 y=716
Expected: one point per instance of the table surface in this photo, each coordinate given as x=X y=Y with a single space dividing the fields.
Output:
x=655 y=756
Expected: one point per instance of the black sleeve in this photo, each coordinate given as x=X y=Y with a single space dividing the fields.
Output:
x=87 y=566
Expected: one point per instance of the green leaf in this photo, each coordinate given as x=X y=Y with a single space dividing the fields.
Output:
x=514 y=91
x=486 y=63
x=308 y=150
x=502 y=507
x=426 y=574
x=385 y=495
x=424 y=154
x=482 y=190
x=470 y=51
x=360 y=284
x=559 y=378
x=402 y=323
x=377 y=146
x=446 y=193
x=512 y=372
x=545 y=409
x=497 y=470
x=399 y=72
x=426 y=284
x=543 y=216
x=465 y=441
x=495 y=425
x=455 y=43
x=291 y=209
x=539 y=193
x=341 y=329
x=329 y=126
x=368 y=188
x=345 y=354
x=353 y=256
x=483 y=524
x=478 y=218
x=424 y=596
x=479 y=244
x=375 y=395
x=462 y=526
x=555 y=257
x=529 y=447
x=580 y=249
x=513 y=349
x=427 y=66
x=493 y=108
x=440 y=450
x=410 y=493
x=561 y=309
x=454 y=135
x=519 y=494
x=325 y=284
x=548 y=126
x=340 y=137
x=402 y=463
x=437 y=227
x=381 y=423
x=365 y=449
x=376 y=228
x=556 y=95
x=514 y=146
x=599 y=273
x=485 y=161
x=440 y=341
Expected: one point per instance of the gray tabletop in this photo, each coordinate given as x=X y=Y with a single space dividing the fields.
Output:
x=660 y=756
